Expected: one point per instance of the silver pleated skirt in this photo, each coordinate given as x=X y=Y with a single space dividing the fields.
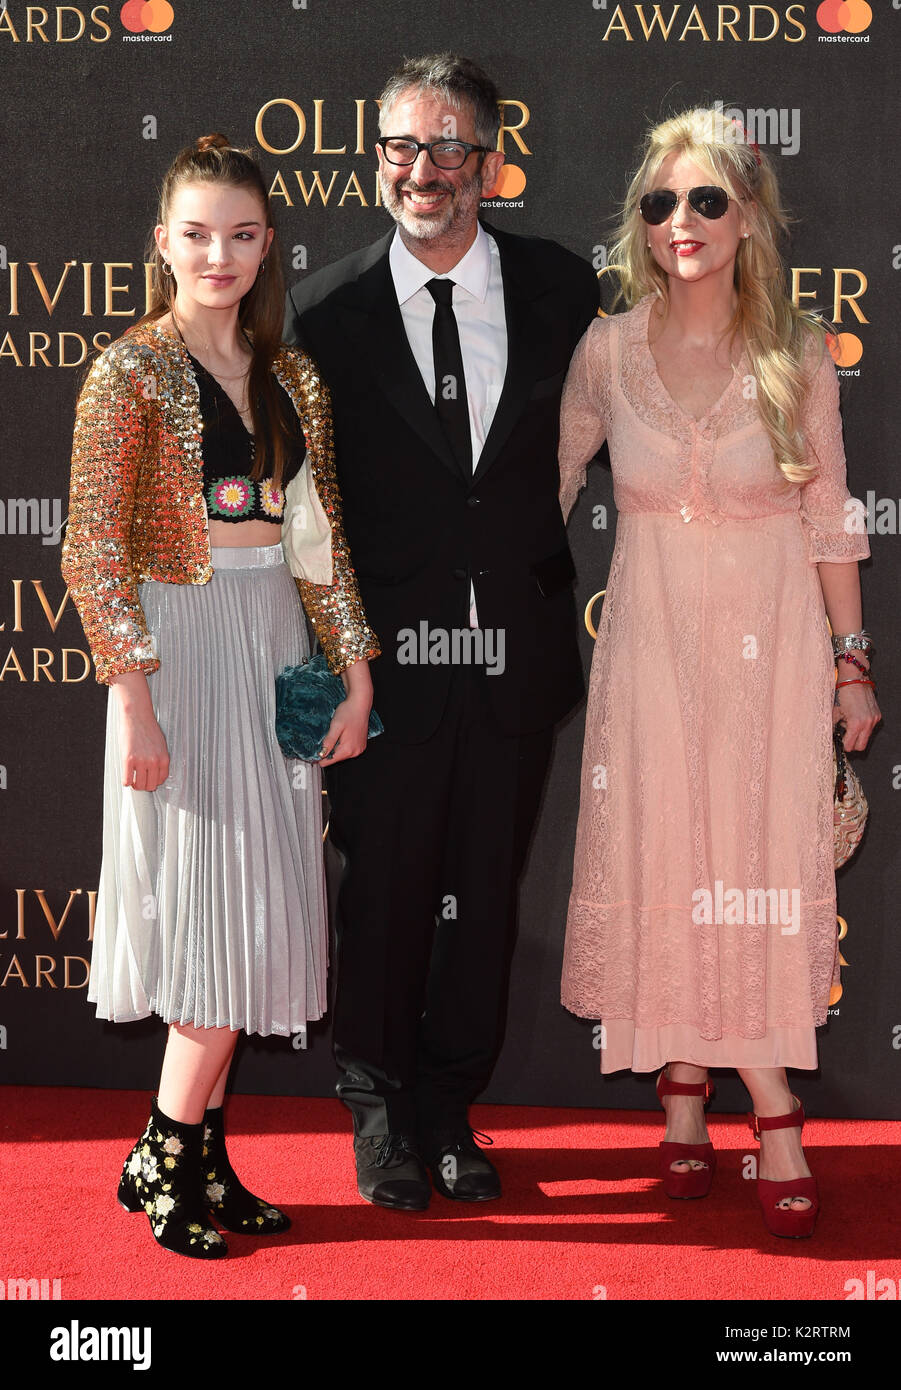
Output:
x=212 y=905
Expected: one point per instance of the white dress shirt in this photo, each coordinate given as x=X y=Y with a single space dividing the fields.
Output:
x=478 y=303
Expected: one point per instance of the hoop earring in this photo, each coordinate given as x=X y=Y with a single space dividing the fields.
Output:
x=262 y=267
x=167 y=268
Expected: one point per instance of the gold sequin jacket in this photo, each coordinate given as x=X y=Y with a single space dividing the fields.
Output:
x=136 y=506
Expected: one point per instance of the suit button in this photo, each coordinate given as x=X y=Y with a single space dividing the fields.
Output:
x=481 y=572
x=473 y=501
x=458 y=574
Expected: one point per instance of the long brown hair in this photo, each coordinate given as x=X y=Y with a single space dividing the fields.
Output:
x=212 y=159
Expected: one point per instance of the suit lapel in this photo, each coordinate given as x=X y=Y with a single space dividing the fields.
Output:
x=523 y=336
x=370 y=315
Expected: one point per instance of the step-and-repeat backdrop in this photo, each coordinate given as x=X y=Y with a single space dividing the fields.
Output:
x=96 y=101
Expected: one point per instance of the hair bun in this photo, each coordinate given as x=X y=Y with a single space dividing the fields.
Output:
x=212 y=142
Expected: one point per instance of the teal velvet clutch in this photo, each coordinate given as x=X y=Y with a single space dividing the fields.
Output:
x=306 y=698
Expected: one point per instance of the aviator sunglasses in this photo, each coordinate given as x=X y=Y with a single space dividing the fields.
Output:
x=708 y=201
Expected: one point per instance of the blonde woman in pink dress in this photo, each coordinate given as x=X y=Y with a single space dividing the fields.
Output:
x=702 y=922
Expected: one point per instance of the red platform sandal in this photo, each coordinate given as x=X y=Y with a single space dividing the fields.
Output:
x=786 y=1221
x=696 y=1182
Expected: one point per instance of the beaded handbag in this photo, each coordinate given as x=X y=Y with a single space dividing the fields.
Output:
x=850 y=805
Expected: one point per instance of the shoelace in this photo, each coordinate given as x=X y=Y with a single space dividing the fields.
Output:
x=390 y=1146
x=475 y=1138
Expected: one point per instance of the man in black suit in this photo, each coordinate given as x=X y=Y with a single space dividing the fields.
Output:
x=445 y=345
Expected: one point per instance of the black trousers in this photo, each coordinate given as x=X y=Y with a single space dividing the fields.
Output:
x=434 y=837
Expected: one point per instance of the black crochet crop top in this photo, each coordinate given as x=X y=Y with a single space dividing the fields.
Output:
x=228 y=451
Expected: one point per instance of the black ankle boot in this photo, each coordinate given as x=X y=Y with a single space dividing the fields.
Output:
x=162 y=1176
x=226 y=1197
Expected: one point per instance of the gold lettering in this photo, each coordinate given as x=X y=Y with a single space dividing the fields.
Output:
x=8 y=348
x=694 y=21
x=725 y=23
x=35 y=351
x=50 y=304
x=34 y=25
x=657 y=20
x=324 y=194
x=790 y=19
x=41 y=973
x=605 y=270
x=86 y=268
x=849 y=299
x=618 y=24
x=87 y=972
x=55 y=927
x=67 y=38
x=301 y=126
x=513 y=129
x=41 y=667
x=110 y=289
x=20 y=914
x=95 y=16
x=360 y=103
x=62 y=348
x=7 y=26
x=14 y=966
x=318 y=147
x=753 y=36
x=148 y=286
x=353 y=190
x=74 y=651
x=279 y=190
x=13 y=660
x=14 y=288
x=797 y=293
x=52 y=618
x=17 y=606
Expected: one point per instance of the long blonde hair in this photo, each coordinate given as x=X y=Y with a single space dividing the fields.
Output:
x=775 y=331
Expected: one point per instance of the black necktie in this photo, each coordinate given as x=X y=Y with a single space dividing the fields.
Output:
x=450 y=384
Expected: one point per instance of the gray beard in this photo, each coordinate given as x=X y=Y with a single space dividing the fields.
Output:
x=453 y=225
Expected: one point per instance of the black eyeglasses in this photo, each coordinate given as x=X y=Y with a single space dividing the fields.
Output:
x=444 y=154
x=708 y=201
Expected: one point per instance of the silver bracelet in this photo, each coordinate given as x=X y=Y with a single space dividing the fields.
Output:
x=852 y=642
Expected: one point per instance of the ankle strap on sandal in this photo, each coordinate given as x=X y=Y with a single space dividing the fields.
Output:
x=759 y=1123
x=665 y=1087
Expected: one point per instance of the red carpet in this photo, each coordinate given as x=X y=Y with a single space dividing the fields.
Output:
x=582 y=1212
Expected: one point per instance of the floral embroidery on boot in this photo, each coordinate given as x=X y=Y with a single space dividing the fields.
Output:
x=162 y=1177
x=229 y=1200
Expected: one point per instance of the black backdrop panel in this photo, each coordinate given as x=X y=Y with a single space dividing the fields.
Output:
x=97 y=99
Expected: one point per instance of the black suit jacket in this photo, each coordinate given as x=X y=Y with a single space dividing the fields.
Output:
x=418 y=530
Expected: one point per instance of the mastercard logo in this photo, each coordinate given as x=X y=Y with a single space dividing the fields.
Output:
x=509 y=183
x=844 y=16
x=147 y=16
x=846 y=348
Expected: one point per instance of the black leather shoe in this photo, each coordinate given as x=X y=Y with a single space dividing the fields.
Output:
x=390 y=1172
x=458 y=1167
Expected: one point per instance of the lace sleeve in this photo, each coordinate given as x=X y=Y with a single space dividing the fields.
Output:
x=584 y=410
x=835 y=532
x=107 y=451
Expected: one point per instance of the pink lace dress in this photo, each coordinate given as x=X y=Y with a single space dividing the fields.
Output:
x=702 y=921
